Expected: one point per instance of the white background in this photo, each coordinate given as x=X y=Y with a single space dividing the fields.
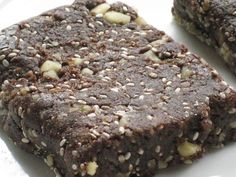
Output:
x=16 y=163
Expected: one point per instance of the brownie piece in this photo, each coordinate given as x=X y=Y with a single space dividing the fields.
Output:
x=213 y=22
x=95 y=91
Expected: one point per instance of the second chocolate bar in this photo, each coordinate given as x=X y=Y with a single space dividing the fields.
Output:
x=212 y=21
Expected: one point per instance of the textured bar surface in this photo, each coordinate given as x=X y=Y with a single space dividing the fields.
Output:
x=95 y=91
x=213 y=22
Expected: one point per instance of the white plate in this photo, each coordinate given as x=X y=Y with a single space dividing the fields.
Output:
x=16 y=163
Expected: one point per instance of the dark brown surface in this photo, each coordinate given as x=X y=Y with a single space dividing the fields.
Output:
x=129 y=116
x=213 y=21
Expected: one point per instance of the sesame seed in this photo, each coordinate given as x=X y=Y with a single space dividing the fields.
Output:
x=56 y=172
x=195 y=136
x=185 y=104
x=11 y=55
x=113 y=31
x=62 y=143
x=127 y=156
x=207 y=100
x=164 y=80
x=115 y=89
x=177 y=90
x=6 y=82
x=72 y=97
x=137 y=162
x=122 y=130
x=186 y=114
x=218 y=131
x=26 y=25
x=196 y=103
x=142 y=83
x=34 y=133
x=5 y=63
x=33 y=88
x=35 y=32
x=25 y=140
x=19 y=85
x=67 y=9
x=74 y=167
x=131 y=167
x=224 y=83
x=62 y=150
x=91 y=25
x=74 y=153
x=30 y=48
x=141 y=97
x=179 y=55
x=124 y=49
x=100 y=23
x=121 y=159
x=149 y=117
x=80 y=21
x=232 y=111
x=95 y=132
x=2 y=57
x=153 y=75
x=158 y=149
x=91 y=115
x=106 y=134
x=68 y=28
x=123 y=55
x=179 y=75
x=140 y=151
x=49 y=86
x=169 y=83
x=125 y=8
x=188 y=162
x=37 y=55
x=93 y=136
x=127 y=30
x=44 y=46
x=169 y=158
x=222 y=95
x=154 y=49
x=43 y=144
x=131 y=57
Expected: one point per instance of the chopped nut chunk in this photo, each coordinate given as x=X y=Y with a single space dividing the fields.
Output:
x=140 y=21
x=92 y=168
x=151 y=55
x=117 y=18
x=96 y=91
x=101 y=9
x=188 y=149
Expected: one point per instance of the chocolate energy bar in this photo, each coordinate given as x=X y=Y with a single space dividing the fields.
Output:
x=95 y=91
